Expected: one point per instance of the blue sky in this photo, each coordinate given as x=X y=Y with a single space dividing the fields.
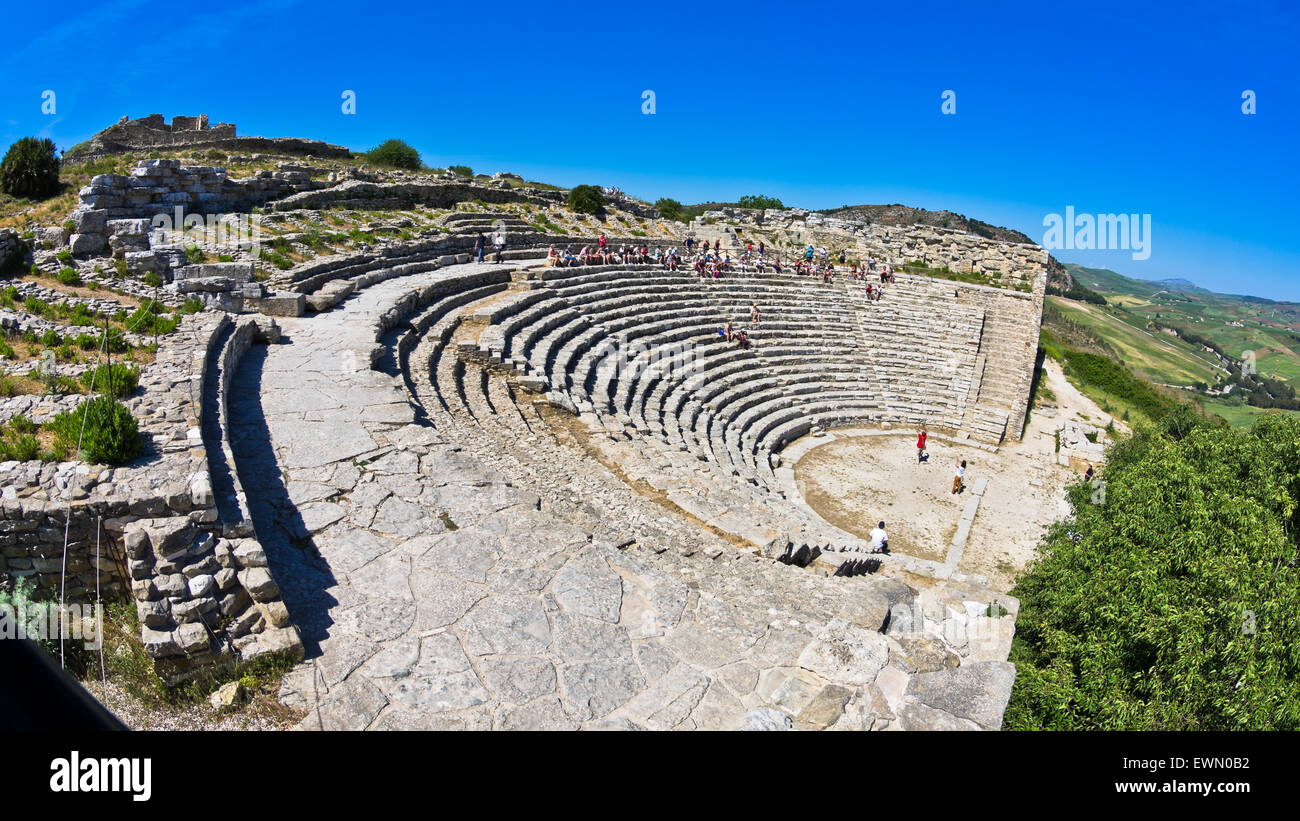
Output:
x=1109 y=108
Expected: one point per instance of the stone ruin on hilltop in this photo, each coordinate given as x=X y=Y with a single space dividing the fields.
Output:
x=154 y=132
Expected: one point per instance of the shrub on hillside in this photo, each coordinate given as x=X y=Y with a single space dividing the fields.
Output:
x=461 y=170
x=114 y=379
x=394 y=154
x=150 y=319
x=30 y=168
x=106 y=429
x=1172 y=602
x=1110 y=376
x=586 y=199
x=669 y=209
x=69 y=276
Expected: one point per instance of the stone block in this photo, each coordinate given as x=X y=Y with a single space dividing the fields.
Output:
x=283 y=305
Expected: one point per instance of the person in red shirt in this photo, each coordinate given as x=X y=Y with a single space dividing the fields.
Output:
x=920 y=443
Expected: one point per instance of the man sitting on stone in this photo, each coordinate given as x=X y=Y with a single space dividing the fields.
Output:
x=879 y=539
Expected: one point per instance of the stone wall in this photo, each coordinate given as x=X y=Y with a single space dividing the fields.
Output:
x=363 y=194
x=117 y=205
x=889 y=244
x=12 y=251
x=152 y=528
x=153 y=131
x=1008 y=345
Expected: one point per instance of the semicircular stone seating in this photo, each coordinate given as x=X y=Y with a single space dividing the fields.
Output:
x=635 y=351
x=640 y=349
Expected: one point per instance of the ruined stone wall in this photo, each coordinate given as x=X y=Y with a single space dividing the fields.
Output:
x=377 y=195
x=12 y=250
x=203 y=593
x=114 y=205
x=153 y=131
x=1008 y=262
x=1008 y=344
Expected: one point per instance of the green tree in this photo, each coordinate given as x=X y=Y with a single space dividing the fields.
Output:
x=586 y=199
x=1171 y=601
x=30 y=168
x=394 y=154
x=669 y=209
x=759 y=201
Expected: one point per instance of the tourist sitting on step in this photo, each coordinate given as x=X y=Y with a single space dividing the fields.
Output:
x=753 y=314
x=742 y=340
x=552 y=258
x=776 y=265
x=879 y=539
x=727 y=333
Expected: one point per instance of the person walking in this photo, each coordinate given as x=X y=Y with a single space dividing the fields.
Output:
x=478 y=247
x=959 y=477
x=920 y=443
x=500 y=242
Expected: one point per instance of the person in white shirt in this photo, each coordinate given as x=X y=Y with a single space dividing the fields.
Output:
x=879 y=539
x=959 y=476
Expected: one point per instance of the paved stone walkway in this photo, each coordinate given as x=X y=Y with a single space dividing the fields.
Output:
x=433 y=594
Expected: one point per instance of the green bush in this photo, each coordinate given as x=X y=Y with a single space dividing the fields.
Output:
x=1172 y=601
x=394 y=154
x=759 y=201
x=116 y=341
x=30 y=169
x=51 y=339
x=461 y=170
x=669 y=209
x=150 y=319
x=115 y=379
x=586 y=199
x=1110 y=376
x=194 y=255
x=69 y=276
x=110 y=434
x=152 y=279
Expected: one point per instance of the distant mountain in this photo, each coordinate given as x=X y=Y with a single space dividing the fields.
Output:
x=1180 y=285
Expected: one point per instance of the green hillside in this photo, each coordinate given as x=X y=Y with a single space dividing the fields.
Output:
x=1187 y=339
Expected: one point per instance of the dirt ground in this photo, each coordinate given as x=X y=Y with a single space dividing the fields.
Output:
x=854 y=482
